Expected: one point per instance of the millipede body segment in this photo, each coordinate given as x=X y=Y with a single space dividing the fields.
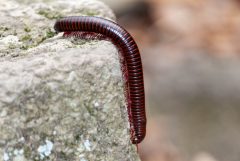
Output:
x=131 y=64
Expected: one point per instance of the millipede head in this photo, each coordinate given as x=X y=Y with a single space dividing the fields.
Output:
x=138 y=134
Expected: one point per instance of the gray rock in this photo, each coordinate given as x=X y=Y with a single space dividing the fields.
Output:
x=27 y=25
x=60 y=99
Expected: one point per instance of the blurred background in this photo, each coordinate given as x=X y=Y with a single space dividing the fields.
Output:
x=190 y=51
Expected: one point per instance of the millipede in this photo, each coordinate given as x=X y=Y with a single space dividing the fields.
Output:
x=130 y=60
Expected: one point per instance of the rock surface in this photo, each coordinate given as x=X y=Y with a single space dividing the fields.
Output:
x=61 y=99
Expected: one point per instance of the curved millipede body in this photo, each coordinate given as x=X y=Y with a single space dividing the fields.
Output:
x=131 y=64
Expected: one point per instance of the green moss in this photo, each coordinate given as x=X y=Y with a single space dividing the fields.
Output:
x=24 y=47
x=78 y=42
x=11 y=46
x=50 y=14
x=48 y=34
x=27 y=152
x=30 y=41
x=26 y=37
x=3 y=28
x=27 y=29
x=90 y=13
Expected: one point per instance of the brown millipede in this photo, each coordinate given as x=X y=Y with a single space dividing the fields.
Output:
x=130 y=60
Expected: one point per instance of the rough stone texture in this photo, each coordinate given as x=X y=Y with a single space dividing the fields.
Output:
x=60 y=99
x=27 y=24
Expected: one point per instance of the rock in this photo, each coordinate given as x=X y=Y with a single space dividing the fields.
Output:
x=35 y=20
x=60 y=99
